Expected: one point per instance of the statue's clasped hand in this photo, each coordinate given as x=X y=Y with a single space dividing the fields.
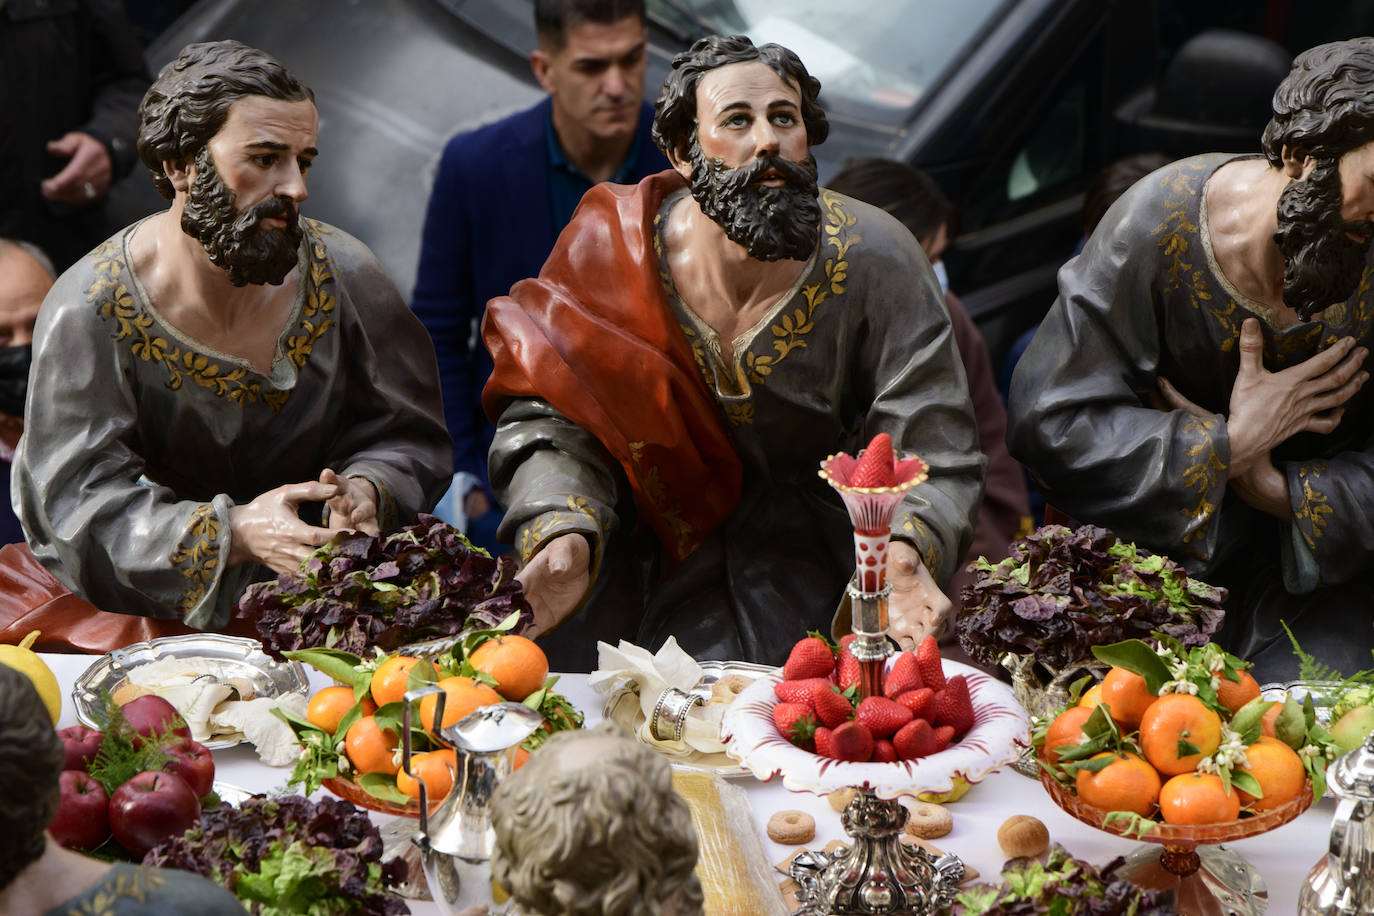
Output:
x=916 y=607
x=269 y=529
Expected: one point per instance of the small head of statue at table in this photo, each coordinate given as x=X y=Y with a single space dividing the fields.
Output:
x=36 y=874
x=590 y=825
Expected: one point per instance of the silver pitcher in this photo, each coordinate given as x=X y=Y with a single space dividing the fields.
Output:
x=1342 y=883
x=458 y=838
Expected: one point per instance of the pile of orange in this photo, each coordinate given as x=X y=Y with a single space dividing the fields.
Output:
x=1164 y=738
x=516 y=663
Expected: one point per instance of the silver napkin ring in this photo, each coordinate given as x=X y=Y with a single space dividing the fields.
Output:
x=669 y=718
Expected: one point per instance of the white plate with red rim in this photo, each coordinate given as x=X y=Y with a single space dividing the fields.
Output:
x=1000 y=730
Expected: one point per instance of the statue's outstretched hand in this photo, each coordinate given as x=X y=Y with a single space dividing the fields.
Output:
x=555 y=581
x=269 y=529
x=916 y=606
x=1269 y=407
x=355 y=506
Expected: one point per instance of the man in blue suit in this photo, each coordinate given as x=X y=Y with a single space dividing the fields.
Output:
x=504 y=192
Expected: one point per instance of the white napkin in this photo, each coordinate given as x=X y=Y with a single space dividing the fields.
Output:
x=649 y=675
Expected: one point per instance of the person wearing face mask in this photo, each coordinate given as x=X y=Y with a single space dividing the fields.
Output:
x=1199 y=385
x=918 y=203
x=218 y=388
x=25 y=278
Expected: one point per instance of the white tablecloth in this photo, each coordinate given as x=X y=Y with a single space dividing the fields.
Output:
x=1283 y=856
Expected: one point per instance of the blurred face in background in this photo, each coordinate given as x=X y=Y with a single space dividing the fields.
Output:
x=596 y=79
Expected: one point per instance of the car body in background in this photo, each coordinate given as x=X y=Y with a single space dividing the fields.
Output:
x=1011 y=105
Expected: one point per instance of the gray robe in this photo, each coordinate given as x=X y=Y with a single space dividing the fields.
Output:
x=1144 y=299
x=138 y=439
x=862 y=345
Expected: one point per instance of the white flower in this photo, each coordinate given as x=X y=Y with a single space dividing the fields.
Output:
x=344 y=764
x=1178 y=686
x=1206 y=765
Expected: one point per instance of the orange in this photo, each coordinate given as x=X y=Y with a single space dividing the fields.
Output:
x=389 y=680
x=1091 y=697
x=518 y=665
x=1279 y=771
x=1198 y=798
x=1067 y=728
x=1126 y=784
x=1235 y=694
x=463 y=695
x=521 y=755
x=370 y=748
x=1177 y=717
x=329 y=705
x=1126 y=696
x=1267 y=728
x=435 y=768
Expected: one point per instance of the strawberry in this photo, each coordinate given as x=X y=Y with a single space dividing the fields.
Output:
x=847 y=667
x=882 y=716
x=883 y=751
x=832 y=706
x=914 y=740
x=798 y=691
x=851 y=741
x=810 y=657
x=921 y=703
x=822 y=737
x=928 y=661
x=944 y=734
x=875 y=467
x=953 y=706
x=794 y=723
x=904 y=675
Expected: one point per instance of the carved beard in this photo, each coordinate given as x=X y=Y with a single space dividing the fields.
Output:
x=1321 y=264
x=237 y=241
x=771 y=223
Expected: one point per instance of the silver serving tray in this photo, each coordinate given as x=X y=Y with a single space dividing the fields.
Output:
x=622 y=706
x=225 y=656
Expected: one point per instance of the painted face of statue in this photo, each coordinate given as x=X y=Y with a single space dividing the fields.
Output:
x=250 y=179
x=1325 y=230
x=751 y=170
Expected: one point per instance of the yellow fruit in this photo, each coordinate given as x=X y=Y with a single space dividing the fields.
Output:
x=22 y=659
x=956 y=792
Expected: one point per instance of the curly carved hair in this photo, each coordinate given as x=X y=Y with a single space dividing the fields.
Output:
x=31 y=759
x=189 y=101
x=1325 y=106
x=613 y=838
x=675 y=112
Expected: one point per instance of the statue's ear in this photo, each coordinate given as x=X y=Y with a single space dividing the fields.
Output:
x=178 y=172
x=680 y=159
x=1295 y=161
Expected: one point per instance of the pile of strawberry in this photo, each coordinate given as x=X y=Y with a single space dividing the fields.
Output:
x=920 y=713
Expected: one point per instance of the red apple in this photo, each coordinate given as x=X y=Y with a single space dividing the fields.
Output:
x=81 y=821
x=193 y=762
x=81 y=743
x=151 y=807
x=151 y=713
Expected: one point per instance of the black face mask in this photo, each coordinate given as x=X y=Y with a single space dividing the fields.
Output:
x=14 y=378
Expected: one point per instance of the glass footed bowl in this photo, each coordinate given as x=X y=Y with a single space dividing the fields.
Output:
x=1000 y=730
x=1182 y=835
x=350 y=791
